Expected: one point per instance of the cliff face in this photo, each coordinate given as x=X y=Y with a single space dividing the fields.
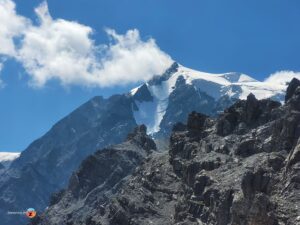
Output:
x=241 y=169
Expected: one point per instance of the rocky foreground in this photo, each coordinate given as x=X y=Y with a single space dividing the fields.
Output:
x=242 y=168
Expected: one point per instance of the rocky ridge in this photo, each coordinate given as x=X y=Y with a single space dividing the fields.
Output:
x=98 y=178
x=241 y=168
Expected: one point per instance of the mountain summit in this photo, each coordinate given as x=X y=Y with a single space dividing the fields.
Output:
x=170 y=97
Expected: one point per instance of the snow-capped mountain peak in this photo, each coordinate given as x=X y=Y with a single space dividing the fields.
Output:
x=212 y=93
x=234 y=84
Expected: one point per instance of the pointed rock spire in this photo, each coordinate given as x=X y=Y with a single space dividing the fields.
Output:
x=291 y=88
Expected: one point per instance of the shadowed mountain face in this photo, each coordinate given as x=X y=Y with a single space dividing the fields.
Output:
x=241 y=168
x=46 y=165
x=183 y=100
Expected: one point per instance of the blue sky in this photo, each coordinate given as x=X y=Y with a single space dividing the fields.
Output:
x=254 y=37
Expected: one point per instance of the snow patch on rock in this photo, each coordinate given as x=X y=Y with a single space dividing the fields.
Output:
x=6 y=158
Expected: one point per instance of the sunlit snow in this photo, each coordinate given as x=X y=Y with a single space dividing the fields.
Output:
x=233 y=85
x=7 y=157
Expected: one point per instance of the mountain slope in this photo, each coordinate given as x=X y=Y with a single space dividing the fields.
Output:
x=46 y=165
x=239 y=168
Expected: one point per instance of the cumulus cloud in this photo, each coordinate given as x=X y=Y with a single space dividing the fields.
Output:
x=57 y=49
x=11 y=27
x=282 y=77
x=129 y=58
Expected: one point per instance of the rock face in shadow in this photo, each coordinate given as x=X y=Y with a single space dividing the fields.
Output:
x=97 y=179
x=183 y=100
x=245 y=115
x=240 y=169
x=143 y=94
x=294 y=84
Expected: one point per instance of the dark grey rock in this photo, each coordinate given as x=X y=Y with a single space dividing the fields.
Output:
x=196 y=121
x=293 y=85
x=245 y=115
x=97 y=180
x=156 y=80
x=143 y=94
x=182 y=101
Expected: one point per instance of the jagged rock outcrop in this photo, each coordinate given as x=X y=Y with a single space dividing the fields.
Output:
x=293 y=85
x=143 y=94
x=97 y=179
x=246 y=115
x=241 y=176
x=241 y=168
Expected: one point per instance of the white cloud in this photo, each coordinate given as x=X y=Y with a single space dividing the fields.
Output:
x=130 y=59
x=57 y=49
x=282 y=77
x=65 y=51
x=11 y=26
